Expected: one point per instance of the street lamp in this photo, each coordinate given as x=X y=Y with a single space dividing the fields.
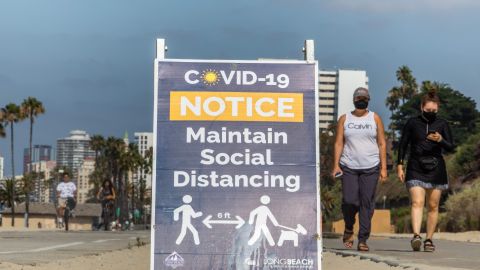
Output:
x=384 y=200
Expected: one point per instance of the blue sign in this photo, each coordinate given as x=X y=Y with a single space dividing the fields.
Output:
x=236 y=165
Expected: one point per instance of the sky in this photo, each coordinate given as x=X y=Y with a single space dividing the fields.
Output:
x=91 y=62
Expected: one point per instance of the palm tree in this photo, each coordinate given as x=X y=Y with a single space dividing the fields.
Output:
x=11 y=114
x=97 y=144
x=7 y=192
x=130 y=161
x=393 y=104
x=2 y=129
x=146 y=168
x=31 y=108
x=409 y=84
x=428 y=86
x=136 y=162
x=114 y=147
x=28 y=181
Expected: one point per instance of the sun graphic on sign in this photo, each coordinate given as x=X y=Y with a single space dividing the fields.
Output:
x=210 y=77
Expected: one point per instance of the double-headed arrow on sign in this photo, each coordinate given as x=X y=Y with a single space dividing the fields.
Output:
x=208 y=222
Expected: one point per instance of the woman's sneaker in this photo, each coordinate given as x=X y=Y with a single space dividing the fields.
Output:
x=416 y=242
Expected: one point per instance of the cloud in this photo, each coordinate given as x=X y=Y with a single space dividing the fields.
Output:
x=381 y=6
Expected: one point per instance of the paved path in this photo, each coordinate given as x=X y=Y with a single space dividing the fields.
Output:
x=449 y=254
x=46 y=246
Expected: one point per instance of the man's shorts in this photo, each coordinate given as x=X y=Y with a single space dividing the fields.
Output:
x=62 y=202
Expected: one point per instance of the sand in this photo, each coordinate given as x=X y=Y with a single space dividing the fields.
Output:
x=137 y=258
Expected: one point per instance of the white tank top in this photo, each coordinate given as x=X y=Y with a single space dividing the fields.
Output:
x=360 y=150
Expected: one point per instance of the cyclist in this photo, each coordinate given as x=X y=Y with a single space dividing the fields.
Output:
x=65 y=190
x=107 y=196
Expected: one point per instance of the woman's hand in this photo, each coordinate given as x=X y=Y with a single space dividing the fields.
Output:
x=436 y=137
x=336 y=170
x=383 y=175
x=400 y=173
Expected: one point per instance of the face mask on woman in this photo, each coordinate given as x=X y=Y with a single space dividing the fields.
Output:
x=430 y=116
x=361 y=104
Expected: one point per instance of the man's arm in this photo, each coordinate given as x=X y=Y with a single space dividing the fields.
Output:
x=74 y=192
x=58 y=191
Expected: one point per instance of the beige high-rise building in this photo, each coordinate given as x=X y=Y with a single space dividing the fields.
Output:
x=83 y=180
x=44 y=191
x=144 y=141
x=335 y=93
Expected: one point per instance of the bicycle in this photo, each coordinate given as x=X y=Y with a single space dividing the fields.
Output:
x=107 y=213
x=70 y=205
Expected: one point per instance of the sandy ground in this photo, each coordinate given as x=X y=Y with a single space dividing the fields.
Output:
x=137 y=258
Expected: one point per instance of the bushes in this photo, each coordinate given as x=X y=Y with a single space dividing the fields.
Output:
x=463 y=210
x=464 y=162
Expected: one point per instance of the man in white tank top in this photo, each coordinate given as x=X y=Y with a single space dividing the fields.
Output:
x=361 y=159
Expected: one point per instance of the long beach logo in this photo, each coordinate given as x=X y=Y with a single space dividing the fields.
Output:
x=174 y=260
x=280 y=263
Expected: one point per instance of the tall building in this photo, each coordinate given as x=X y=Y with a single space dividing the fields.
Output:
x=83 y=179
x=73 y=150
x=40 y=153
x=336 y=93
x=144 y=141
x=43 y=190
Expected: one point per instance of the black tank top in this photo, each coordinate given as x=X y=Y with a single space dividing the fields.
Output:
x=107 y=192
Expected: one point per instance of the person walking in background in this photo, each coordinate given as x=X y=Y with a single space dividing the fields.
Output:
x=361 y=159
x=426 y=174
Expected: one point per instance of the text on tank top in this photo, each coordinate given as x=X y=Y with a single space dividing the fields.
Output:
x=360 y=150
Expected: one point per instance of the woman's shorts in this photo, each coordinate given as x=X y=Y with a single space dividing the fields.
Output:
x=426 y=185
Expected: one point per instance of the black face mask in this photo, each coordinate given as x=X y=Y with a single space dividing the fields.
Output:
x=361 y=104
x=429 y=116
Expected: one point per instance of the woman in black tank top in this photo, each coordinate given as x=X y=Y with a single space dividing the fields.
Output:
x=106 y=192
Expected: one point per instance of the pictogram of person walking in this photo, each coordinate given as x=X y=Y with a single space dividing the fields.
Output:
x=262 y=215
x=187 y=214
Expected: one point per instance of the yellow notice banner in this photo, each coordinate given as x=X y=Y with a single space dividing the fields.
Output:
x=236 y=106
